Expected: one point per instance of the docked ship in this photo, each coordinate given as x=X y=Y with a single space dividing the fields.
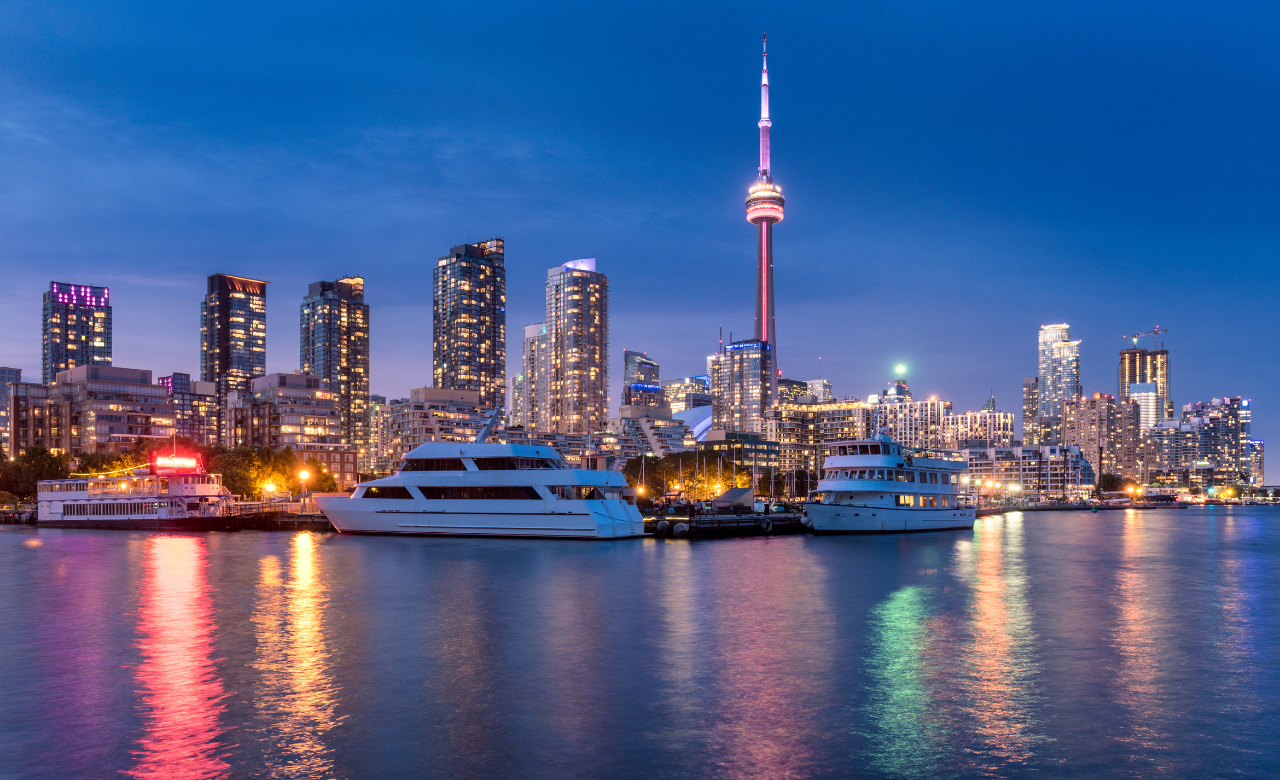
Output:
x=173 y=494
x=877 y=486
x=482 y=489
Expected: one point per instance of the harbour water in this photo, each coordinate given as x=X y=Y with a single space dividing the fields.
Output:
x=1117 y=644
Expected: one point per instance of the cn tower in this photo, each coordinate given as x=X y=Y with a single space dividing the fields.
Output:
x=764 y=210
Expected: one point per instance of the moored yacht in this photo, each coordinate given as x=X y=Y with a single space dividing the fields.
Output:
x=173 y=494
x=481 y=489
x=877 y=486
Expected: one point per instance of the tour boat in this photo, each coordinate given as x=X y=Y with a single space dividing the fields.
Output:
x=173 y=494
x=480 y=489
x=877 y=486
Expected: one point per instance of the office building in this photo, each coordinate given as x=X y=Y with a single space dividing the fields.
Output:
x=574 y=375
x=233 y=335
x=90 y=409
x=987 y=425
x=764 y=210
x=1059 y=364
x=7 y=375
x=640 y=383
x=293 y=411
x=820 y=389
x=1147 y=396
x=688 y=392
x=1146 y=367
x=804 y=430
x=333 y=345
x=195 y=408
x=742 y=379
x=792 y=391
x=1048 y=472
x=469 y=345
x=75 y=327
x=741 y=450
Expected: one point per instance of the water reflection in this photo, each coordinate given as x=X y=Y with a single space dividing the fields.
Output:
x=1136 y=640
x=955 y=690
x=296 y=698
x=181 y=692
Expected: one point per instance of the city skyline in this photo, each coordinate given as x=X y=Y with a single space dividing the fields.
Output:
x=1072 y=262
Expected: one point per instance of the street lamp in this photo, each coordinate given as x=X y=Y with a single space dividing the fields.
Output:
x=270 y=487
x=302 y=476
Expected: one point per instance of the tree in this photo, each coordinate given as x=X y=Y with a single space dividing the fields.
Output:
x=7 y=498
x=34 y=464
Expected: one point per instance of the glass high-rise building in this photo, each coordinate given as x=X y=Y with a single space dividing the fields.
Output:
x=469 y=324
x=741 y=385
x=195 y=408
x=333 y=344
x=233 y=335
x=1146 y=366
x=76 y=328
x=533 y=400
x=687 y=392
x=1059 y=364
x=574 y=375
x=640 y=383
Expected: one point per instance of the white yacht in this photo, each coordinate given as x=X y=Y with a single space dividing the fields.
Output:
x=483 y=489
x=876 y=486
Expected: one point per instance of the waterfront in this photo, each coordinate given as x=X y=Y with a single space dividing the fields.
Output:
x=1117 y=644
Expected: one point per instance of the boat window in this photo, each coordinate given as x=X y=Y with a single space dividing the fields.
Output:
x=512 y=464
x=481 y=493
x=434 y=464
x=911 y=476
x=933 y=477
x=879 y=474
x=576 y=492
x=944 y=501
x=874 y=449
x=904 y=500
x=842 y=450
x=863 y=449
x=386 y=491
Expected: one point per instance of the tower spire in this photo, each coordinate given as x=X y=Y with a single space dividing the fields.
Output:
x=764 y=113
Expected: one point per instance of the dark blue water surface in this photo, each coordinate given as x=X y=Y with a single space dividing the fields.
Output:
x=1117 y=644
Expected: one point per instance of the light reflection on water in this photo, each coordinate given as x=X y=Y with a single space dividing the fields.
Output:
x=295 y=699
x=1064 y=645
x=181 y=693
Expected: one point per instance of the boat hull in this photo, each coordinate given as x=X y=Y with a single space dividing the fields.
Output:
x=145 y=523
x=578 y=520
x=851 y=519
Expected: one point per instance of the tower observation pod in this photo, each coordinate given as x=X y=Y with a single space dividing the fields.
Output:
x=764 y=210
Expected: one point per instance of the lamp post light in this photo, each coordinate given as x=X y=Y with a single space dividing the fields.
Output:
x=302 y=477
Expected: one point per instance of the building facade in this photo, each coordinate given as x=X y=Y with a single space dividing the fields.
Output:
x=75 y=323
x=90 y=409
x=640 y=383
x=1059 y=364
x=1146 y=366
x=804 y=430
x=7 y=375
x=195 y=408
x=574 y=375
x=432 y=414
x=516 y=389
x=1223 y=432
x=742 y=378
x=1041 y=473
x=995 y=428
x=233 y=334
x=1107 y=433
x=820 y=389
x=333 y=345
x=1030 y=410
x=376 y=458
x=915 y=423
x=742 y=450
x=289 y=410
x=469 y=345
x=792 y=391
x=535 y=401
x=688 y=392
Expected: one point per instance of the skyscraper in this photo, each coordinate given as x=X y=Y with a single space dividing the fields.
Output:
x=76 y=327
x=1059 y=360
x=740 y=377
x=195 y=408
x=574 y=374
x=233 y=334
x=640 y=384
x=764 y=210
x=1146 y=366
x=687 y=392
x=7 y=375
x=534 y=401
x=469 y=326
x=333 y=344
x=1030 y=410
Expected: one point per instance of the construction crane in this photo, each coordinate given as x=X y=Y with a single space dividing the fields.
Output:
x=1155 y=332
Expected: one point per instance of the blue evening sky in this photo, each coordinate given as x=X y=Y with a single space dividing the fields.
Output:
x=957 y=173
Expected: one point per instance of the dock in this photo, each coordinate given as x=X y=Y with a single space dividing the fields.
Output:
x=713 y=526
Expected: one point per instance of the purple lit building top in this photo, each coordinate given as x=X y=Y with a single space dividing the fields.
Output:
x=76 y=328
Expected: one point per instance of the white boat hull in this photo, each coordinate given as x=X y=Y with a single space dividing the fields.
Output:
x=588 y=519
x=850 y=519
